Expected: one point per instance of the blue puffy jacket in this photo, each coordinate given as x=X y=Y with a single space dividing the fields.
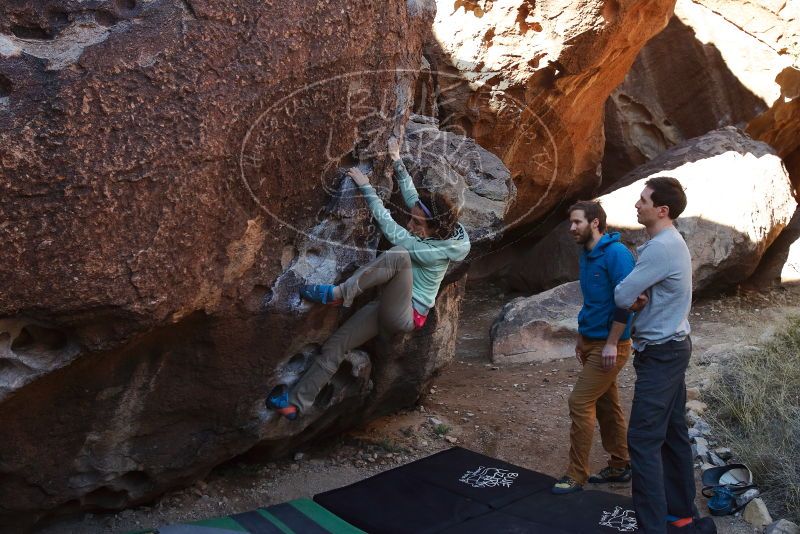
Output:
x=602 y=268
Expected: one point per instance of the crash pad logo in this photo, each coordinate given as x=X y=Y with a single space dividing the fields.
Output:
x=489 y=477
x=620 y=519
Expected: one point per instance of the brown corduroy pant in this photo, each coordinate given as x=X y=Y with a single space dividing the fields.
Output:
x=595 y=397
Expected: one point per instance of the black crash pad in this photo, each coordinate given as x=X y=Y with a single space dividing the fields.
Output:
x=499 y=523
x=478 y=477
x=433 y=494
x=395 y=503
x=582 y=512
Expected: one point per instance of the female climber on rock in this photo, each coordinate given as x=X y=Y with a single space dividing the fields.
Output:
x=410 y=273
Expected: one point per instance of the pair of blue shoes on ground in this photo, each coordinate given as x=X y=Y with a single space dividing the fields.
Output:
x=278 y=398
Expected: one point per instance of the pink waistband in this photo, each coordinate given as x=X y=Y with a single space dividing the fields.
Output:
x=419 y=320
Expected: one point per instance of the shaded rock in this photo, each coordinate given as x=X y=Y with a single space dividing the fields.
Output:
x=171 y=174
x=716 y=460
x=474 y=178
x=701 y=428
x=550 y=262
x=782 y=526
x=539 y=328
x=725 y=54
x=726 y=239
x=747 y=496
x=700 y=451
x=722 y=352
x=756 y=513
x=696 y=406
x=692 y=417
x=780 y=125
x=724 y=453
x=528 y=81
x=781 y=263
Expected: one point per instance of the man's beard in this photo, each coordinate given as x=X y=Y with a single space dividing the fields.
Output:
x=583 y=237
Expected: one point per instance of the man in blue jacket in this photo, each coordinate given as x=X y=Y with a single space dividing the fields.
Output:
x=603 y=348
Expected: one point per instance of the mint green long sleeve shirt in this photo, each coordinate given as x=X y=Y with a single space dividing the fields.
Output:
x=430 y=257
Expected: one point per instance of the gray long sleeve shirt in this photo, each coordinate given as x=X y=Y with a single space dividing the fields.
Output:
x=664 y=272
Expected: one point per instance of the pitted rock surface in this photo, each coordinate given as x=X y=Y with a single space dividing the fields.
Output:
x=528 y=81
x=171 y=173
x=729 y=59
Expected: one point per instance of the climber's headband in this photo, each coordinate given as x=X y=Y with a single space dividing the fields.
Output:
x=425 y=210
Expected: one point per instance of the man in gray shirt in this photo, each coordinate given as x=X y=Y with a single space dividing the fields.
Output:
x=660 y=289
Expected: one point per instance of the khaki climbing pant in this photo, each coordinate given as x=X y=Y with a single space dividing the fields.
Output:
x=595 y=397
x=387 y=315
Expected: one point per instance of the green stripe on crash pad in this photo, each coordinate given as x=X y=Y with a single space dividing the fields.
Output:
x=256 y=521
x=324 y=518
x=302 y=514
x=296 y=520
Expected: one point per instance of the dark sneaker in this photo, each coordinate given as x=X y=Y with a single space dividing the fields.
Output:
x=278 y=400
x=566 y=485
x=612 y=474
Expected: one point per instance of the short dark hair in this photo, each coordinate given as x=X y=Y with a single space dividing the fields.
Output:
x=592 y=210
x=667 y=192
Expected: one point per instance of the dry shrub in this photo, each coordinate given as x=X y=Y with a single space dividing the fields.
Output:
x=755 y=410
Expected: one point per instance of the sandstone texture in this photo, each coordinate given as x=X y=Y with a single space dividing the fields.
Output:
x=781 y=263
x=756 y=513
x=780 y=125
x=740 y=199
x=171 y=173
x=528 y=81
x=474 y=177
x=717 y=63
x=539 y=328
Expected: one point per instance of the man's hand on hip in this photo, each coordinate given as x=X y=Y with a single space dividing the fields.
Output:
x=609 y=356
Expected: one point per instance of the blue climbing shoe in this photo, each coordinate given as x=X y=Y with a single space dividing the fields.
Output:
x=278 y=400
x=322 y=293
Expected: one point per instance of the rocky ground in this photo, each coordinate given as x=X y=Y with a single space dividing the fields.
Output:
x=514 y=412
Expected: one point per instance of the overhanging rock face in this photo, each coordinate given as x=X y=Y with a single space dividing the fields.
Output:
x=734 y=57
x=171 y=174
x=528 y=81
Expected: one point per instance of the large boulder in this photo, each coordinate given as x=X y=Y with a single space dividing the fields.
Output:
x=781 y=263
x=780 y=125
x=171 y=175
x=726 y=56
x=740 y=200
x=538 y=328
x=528 y=81
x=474 y=178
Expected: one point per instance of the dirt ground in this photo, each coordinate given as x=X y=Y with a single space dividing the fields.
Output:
x=517 y=413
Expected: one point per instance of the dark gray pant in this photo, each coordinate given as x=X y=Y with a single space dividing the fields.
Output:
x=387 y=315
x=658 y=439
